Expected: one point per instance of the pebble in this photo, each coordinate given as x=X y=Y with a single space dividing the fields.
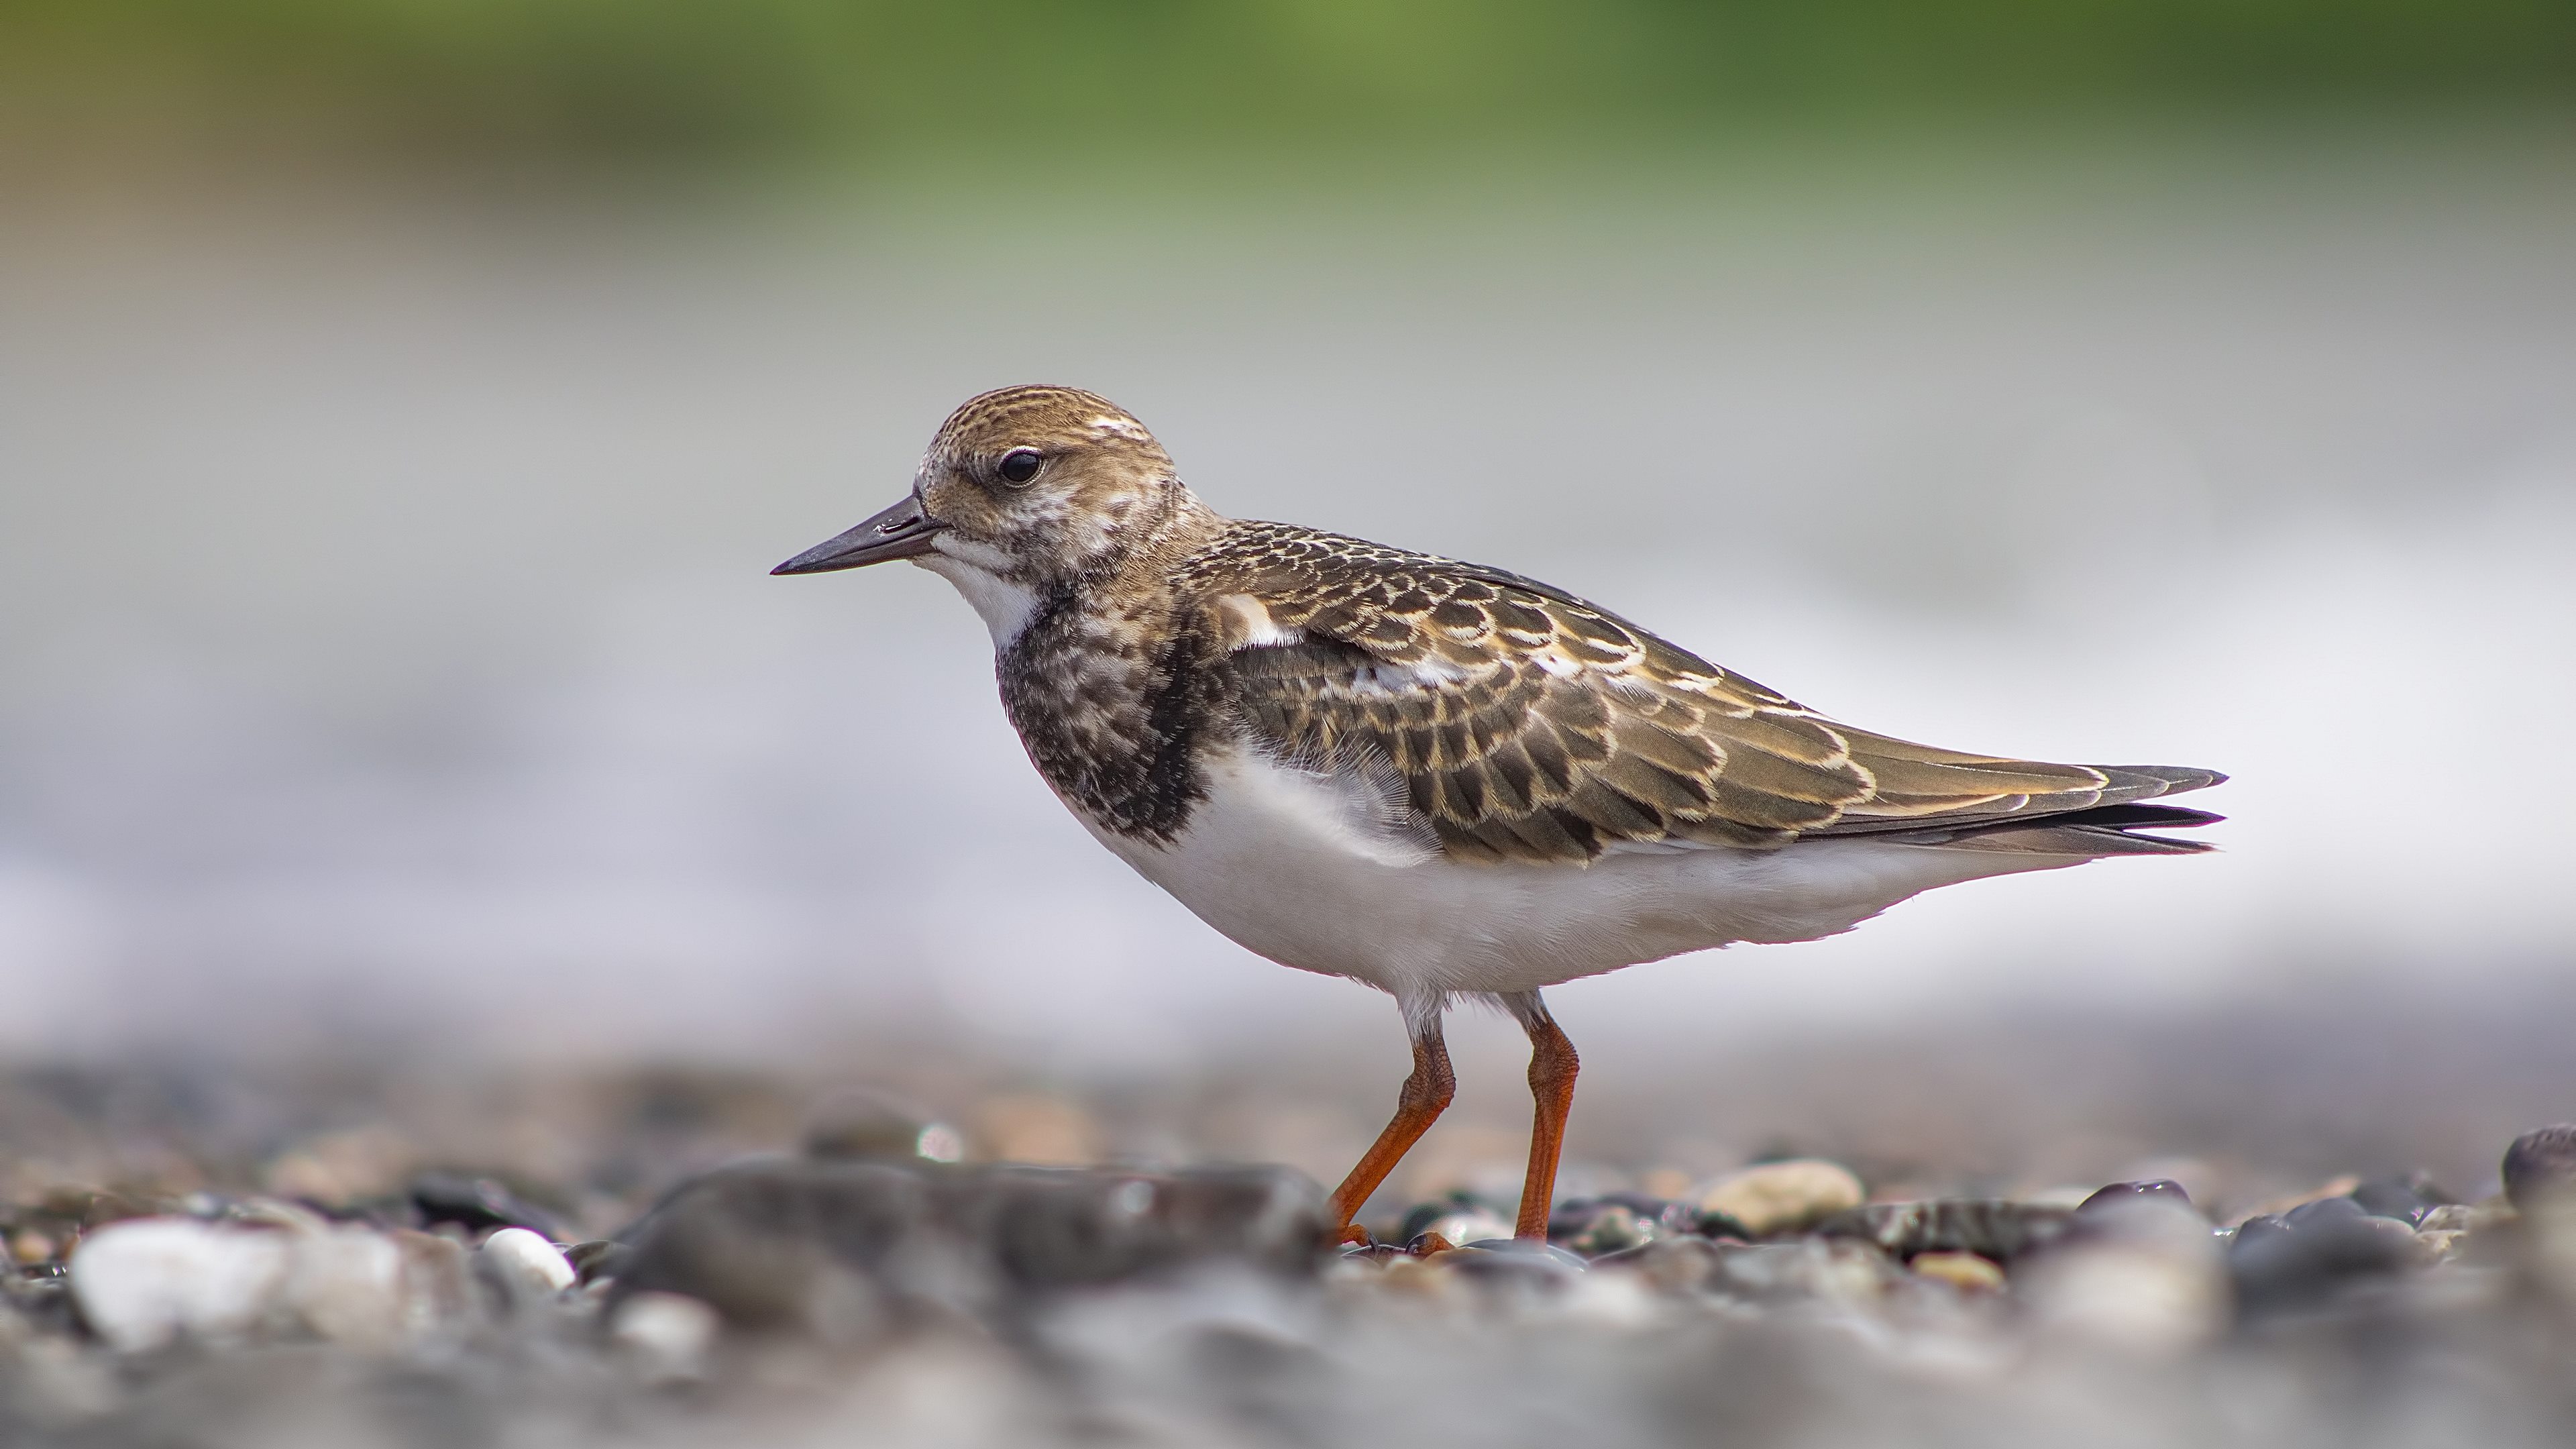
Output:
x=1969 y=1272
x=2443 y=1244
x=862 y=1124
x=2540 y=1164
x=1836 y=1270
x=1678 y=1265
x=2463 y=1217
x=1050 y=1228
x=438 y=1289
x=599 y=1258
x=807 y=1247
x=1612 y=1228
x=1458 y=1217
x=142 y=1283
x=839 y=1249
x=347 y=1285
x=1782 y=1197
x=2304 y=1259
x=2405 y=1198
x=2130 y=1294
x=2137 y=1268
x=669 y=1337
x=526 y=1263
x=478 y=1204
x=2118 y=1194
x=1512 y=1264
x=1993 y=1228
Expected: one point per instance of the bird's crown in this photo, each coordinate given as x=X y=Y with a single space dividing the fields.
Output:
x=1052 y=480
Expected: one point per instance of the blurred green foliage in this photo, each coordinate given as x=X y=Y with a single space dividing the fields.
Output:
x=855 y=78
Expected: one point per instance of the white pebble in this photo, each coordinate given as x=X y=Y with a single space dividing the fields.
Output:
x=143 y=1282
x=1781 y=1197
x=669 y=1335
x=347 y=1286
x=1470 y=1225
x=2144 y=1297
x=528 y=1262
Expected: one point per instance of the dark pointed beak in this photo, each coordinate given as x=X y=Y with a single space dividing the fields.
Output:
x=903 y=531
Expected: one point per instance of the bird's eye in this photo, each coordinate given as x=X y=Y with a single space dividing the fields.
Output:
x=1019 y=465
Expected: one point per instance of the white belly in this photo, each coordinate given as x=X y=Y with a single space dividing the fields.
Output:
x=1289 y=865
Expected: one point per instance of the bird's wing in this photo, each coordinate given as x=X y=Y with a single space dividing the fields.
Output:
x=1529 y=725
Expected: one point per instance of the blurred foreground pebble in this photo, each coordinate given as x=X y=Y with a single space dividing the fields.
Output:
x=873 y=1288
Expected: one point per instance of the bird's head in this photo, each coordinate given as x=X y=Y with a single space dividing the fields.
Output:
x=1025 y=492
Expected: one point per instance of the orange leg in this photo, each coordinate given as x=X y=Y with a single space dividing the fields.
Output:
x=1425 y=1096
x=1551 y=1079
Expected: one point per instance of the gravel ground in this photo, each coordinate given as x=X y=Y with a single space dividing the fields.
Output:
x=362 y=1257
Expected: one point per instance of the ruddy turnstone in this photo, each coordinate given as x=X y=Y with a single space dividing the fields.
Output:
x=1437 y=778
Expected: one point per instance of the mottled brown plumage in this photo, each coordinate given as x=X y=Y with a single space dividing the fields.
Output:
x=1528 y=724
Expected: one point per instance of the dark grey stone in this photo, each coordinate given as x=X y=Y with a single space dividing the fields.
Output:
x=841 y=1248
x=1516 y=1264
x=2541 y=1164
x=828 y=1248
x=478 y=1203
x=2406 y=1198
x=1992 y=1228
x=861 y=1125
x=2312 y=1256
x=1419 y=1217
x=1063 y=1227
x=2120 y=1194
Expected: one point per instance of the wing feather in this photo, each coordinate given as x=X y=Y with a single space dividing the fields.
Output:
x=1529 y=725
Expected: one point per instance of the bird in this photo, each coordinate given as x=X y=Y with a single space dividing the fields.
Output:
x=1446 y=781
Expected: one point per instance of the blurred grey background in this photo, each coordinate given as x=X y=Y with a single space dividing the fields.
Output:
x=388 y=664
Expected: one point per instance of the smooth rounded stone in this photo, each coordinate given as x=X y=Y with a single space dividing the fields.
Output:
x=347 y=1286
x=1637 y=1216
x=2443 y=1244
x=2304 y=1259
x=2120 y=1194
x=1782 y=1197
x=141 y=1283
x=1611 y=1228
x=527 y=1265
x=1458 y=1217
x=478 y=1204
x=1065 y=1227
x=2133 y=1270
x=599 y=1258
x=1614 y=1300
x=1993 y=1228
x=861 y=1124
x=438 y=1288
x=2541 y=1164
x=1511 y=1263
x=1467 y=1225
x=1678 y=1264
x=1968 y=1272
x=2135 y=1294
x=2406 y=1198
x=2465 y=1217
x=828 y=1249
x=669 y=1337
x=2147 y=1217
x=1836 y=1270
x=840 y=1249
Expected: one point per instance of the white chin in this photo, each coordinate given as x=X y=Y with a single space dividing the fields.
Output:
x=973 y=568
